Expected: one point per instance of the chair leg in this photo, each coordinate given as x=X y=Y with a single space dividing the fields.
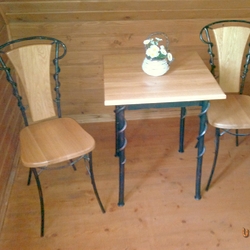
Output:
x=182 y=129
x=73 y=165
x=91 y=173
x=237 y=138
x=41 y=199
x=217 y=144
x=29 y=177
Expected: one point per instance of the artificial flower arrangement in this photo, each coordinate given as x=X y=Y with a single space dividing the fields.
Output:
x=157 y=58
x=155 y=50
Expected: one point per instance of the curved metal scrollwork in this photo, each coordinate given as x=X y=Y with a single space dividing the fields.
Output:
x=182 y=126
x=203 y=130
x=121 y=143
x=201 y=149
x=60 y=52
x=121 y=125
x=14 y=90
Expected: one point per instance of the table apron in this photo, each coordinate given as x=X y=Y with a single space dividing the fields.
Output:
x=163 y=105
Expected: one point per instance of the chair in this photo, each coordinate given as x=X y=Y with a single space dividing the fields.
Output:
x=231 y=39
x=47 y=140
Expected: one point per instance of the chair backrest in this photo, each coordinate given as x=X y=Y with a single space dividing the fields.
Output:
x=230 y=38
x=32 y=63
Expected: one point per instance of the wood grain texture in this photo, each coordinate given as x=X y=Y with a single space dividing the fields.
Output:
x=232 y=113
x=160 y=211
x=188 y=79
x=82 y=68
x=50 y=11
x=92 y=29
x=231 y=41
x=32 y=64
x=53 y=141
x=10 y=124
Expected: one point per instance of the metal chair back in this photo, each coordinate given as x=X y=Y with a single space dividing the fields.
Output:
x=228 y=41
x=36 y=68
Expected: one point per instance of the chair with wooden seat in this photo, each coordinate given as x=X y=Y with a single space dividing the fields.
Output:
x=47 y=140
x=228 y=44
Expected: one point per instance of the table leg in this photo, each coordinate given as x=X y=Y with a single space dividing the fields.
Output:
x=200 y=146
x=182 y=129
x=121 y=142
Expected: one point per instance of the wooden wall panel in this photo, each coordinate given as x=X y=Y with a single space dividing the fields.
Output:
x=82 y=70
x=51 y=11
x=92 y=29
x=10 y=121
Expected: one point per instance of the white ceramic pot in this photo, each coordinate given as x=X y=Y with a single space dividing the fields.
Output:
x=155 y=67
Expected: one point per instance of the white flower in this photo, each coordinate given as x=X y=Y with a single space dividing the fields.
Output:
x=170 y=57
x=153 y=51
x=158 y=39
x=163 y=50
x=146 y=41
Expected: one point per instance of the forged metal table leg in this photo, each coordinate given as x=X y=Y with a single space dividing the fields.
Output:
x=201 y=148
x=121 y=142
x=182 y=129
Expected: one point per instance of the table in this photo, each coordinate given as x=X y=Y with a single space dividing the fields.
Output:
x=187 y=83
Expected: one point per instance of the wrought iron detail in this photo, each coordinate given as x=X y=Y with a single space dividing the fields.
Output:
x=205 y=37
x=121 y=142
x=60 y=52
x=245 y=71
x=201 y=149
x=203 y=129
x=58 y=45
x=121 y=125
x=182 y=130
x=207 y=40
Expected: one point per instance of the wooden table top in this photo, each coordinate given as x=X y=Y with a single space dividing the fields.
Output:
x=188 y=79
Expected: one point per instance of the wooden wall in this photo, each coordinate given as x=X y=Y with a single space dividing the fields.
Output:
x=92 y=29
x=10 y=122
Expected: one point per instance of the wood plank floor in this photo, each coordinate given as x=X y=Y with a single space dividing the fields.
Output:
x=160 y=211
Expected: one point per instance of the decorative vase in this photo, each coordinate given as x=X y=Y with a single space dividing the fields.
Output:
x=158 y=58
x=156 y=67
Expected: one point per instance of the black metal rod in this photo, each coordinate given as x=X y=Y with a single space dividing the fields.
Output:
x=93 y=182
x=182 y=129
x=217 y=145
x=121 y=143
x=201 y=148
x=41 y=199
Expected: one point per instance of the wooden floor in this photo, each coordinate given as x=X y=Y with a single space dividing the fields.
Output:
x=160 y=211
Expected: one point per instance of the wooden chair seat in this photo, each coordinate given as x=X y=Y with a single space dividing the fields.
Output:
x=54 y=141
x=230 y=113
